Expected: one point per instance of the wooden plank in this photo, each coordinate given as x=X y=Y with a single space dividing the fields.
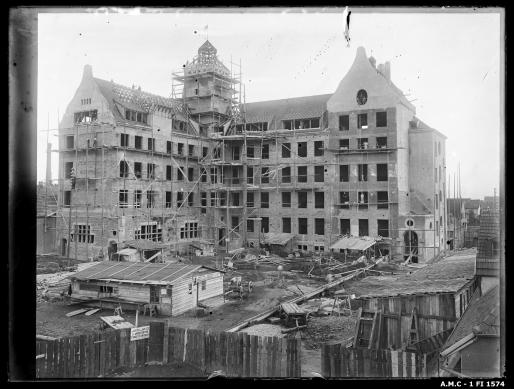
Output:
x=60 y=365
x=92 y=312
x=102 y=354
x=77 y=312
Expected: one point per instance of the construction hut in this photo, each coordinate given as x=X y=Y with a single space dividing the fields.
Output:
x=139 y=250
x=353 y=247
x=280 y=243
x=473 y=348
x=171 y=288
x=412 y=307
x=202 y=247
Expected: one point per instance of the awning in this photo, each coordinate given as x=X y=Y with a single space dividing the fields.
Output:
x=353 y=243
x=277 y=238
x=127 y=252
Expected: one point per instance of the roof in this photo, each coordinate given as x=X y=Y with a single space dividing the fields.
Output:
x=446 y=276
x=284 y=109
x=144 y=244
x=137 y=272
x=127 y=252
x=472 y=204
x=481 y=317
x=353 y=243
x=421 y=126
x=281 y=238
x=489 y=224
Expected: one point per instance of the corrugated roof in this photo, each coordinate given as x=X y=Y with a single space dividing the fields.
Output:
x=353 y=243
x=278 y=238
x=144 y=244
x=284 y=109
x=446 y=276
x=482 y=316
x=156 y=273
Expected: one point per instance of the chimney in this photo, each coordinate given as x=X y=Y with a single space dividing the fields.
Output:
x=387 y=69
x=380 y=68
x=373 y=61
x=88 y=71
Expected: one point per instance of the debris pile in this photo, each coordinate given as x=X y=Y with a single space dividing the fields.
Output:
x=325 y=329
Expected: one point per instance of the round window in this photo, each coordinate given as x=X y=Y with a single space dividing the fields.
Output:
x=362 y=97
x=409 y=223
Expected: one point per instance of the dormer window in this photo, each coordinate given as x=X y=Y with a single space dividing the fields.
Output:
x=301 y=124
x=135 y=116
x=86 y=116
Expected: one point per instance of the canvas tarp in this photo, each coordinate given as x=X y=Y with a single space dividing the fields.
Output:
x=353 y=243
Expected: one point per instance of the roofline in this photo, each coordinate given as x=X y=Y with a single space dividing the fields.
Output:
x=289 y=98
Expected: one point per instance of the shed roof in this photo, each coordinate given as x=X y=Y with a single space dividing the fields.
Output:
x=446 y=276
x=280 y=238
x=139 y=272
x=481 y=317
x=144 y=244
x=354 y=243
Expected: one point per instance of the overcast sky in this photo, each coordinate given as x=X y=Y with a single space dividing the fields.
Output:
x=448 y=64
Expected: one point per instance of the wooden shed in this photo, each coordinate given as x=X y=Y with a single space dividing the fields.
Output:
x=424 y=303
x=173 y=288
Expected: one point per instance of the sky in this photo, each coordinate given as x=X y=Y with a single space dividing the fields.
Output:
x=447 y=63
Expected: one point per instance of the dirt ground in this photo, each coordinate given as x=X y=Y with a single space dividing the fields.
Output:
x=174 y=370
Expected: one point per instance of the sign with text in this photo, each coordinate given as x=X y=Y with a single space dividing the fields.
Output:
x=139 y=333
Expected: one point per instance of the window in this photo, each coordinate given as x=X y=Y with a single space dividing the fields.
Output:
x=216 y=153
x=150 y=170
x=250 y=199
x=124 y=140
x=435 y=174
x=168 y=199
x=236 y=153
x=286 y=150
x=180 y=199
x=138 y=142
x=82 y=234
x=362 y=121
x=68 y=168
x=362 y=143
x=286 y=175
x=381 y=142
x=363 y=172
x=180 y=149
x=85 y=101
x=249 y=225
x=381 y=119
x=302 y=225
x=382 y=172
x=344 y=173
x=191 y=173
x=235 y=199
x=319 y=248
x=205 y=152
x=286 y=199
x=439 y=148
x=223 y=199
x=189 y=231
x=302 y=199
x=203 y=201
x=190 y=199
x=203 y=174
x=264 y=200
x=135 y=116
x=344 y=226
x=250 y=152
x=137 y=198
x=258 y=126
x=382 y=200
x=86 y=116
x=249 y=174
x=344 y=199
x=67 y=198
x=440 y=175
x=302 y=173
x=213 y=199
x=287 y=124
x=383 y=228
x=302 y=149
x=363 y=200
x=214 y=175
x=168 y=172
x=344 y=123
x=319 y=173
x=70 y=142
x=138 y=168
x=286 y=225
x=151 y=144
x=344 y=144
x=265 y=175
x=179 y=125
x=149 y=231
x=265 y=224
x=319 y=226
x=235 y=223
x=180 y=173
x=319 y=199
x=436 y=202
x=300 y=124
x=124 y=169
x=363 y=227
x=318 y=148
x=204 y=284
x=169 y=147
x=265 y=152
x=123 y=198
x=150 y=198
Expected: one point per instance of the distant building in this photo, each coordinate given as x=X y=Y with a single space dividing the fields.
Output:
x=46 y=219
x=489 y=249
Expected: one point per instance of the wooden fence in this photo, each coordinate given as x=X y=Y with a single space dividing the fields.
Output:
x=339 y=361
x=236 y=354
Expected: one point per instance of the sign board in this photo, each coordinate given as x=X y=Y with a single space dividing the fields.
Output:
x=139 y=333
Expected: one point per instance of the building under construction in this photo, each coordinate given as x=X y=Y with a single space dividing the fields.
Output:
x=203 y=170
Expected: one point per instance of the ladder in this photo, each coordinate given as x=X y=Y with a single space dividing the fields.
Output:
x=367 y=329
